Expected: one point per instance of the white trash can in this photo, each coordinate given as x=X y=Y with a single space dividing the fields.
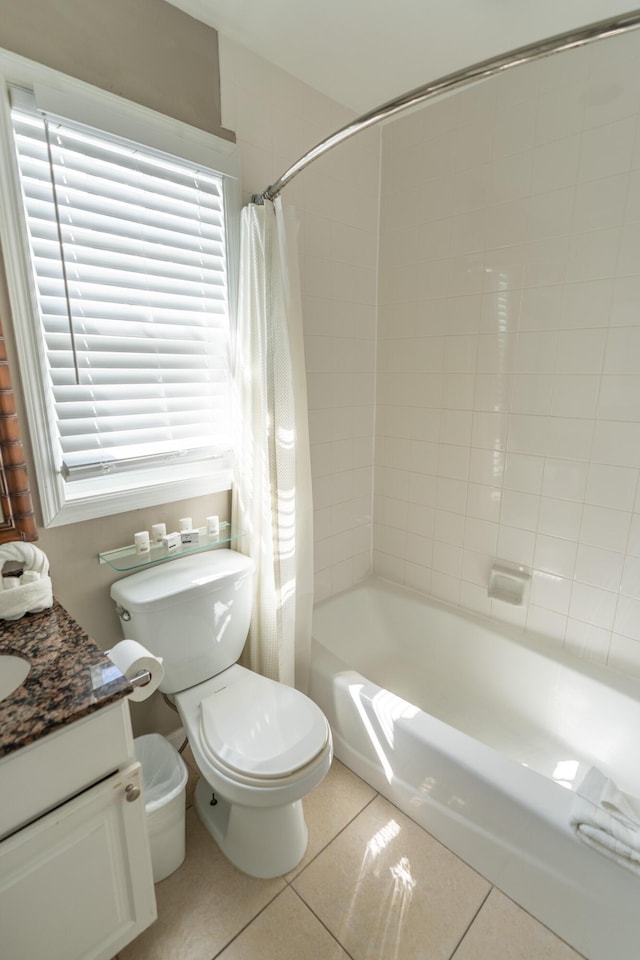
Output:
x=164 y=775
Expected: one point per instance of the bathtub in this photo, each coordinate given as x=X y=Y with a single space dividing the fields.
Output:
x=480 y=733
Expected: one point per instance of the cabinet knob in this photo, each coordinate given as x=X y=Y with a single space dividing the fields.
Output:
x=131 y=793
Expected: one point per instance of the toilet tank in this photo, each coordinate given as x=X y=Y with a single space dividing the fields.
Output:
x=193 y=611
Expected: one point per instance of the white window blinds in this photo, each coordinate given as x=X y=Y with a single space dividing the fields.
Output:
x=129 y=259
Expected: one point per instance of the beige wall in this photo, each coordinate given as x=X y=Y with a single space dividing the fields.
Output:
x=147 y=51
x=154 y=54
x=276 y=118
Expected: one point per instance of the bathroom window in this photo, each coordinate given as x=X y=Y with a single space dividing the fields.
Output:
x=129 y=252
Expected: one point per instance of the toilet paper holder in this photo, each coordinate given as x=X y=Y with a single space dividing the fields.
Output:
x=141 y=668
x=141 y=679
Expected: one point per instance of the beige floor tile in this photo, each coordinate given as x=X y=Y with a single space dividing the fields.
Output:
x=201 y=906
x=285 y=930
x=330 y=807
x=503 y=931
x=389 y=891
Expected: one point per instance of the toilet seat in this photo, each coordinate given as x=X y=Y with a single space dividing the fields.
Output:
x=257 y=731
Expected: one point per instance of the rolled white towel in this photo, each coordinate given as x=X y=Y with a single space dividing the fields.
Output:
x=30 y=556
x=26 y=598
x=607 y=819
x=30 y=576
x=33 y=591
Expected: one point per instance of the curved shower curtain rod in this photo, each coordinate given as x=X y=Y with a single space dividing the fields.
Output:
x=460 y=78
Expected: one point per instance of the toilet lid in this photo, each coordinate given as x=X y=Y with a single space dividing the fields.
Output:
x=261 y=728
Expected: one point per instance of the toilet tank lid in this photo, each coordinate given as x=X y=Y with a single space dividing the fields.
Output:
x=182 y=575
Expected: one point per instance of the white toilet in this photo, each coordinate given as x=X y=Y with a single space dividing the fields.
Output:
x=260 y=745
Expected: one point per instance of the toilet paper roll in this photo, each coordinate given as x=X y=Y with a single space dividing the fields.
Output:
x=131 y=658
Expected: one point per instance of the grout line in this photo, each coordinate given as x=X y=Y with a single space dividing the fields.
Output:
x=248 y=923
x=322 y=923
x=334 y=837
x=289 y=885
x=471 y=922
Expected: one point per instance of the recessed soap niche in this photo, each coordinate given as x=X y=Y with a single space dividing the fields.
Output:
x=509 y=582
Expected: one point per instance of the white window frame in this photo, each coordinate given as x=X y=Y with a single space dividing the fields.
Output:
x=76 y=100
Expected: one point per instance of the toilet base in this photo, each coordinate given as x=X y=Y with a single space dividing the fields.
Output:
x=264 y=842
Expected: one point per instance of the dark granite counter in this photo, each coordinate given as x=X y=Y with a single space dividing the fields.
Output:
x=70 y=677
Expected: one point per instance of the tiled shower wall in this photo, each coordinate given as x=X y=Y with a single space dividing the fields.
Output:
x=508 y=384
x=277 y=118
x=339 y=286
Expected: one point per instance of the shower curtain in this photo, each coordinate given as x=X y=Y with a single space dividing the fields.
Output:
x=272 y=482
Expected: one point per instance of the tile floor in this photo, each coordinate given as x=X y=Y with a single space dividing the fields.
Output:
x=372 y=886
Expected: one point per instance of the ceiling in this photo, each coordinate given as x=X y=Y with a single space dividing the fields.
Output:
x=365 y=52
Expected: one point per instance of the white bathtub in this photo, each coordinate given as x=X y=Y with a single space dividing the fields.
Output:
x=478 y=733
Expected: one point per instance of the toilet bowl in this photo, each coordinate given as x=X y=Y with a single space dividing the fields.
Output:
x=259 y=745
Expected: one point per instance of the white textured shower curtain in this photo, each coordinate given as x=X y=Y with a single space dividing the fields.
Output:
x=272 y=484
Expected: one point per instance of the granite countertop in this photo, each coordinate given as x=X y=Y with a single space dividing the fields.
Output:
x=70 y=677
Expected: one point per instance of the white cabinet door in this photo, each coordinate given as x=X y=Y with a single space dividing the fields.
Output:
x=77 y=884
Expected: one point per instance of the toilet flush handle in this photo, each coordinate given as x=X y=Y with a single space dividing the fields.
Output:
x=122 y=613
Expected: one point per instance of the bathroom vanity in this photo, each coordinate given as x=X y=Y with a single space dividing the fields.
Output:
x=75 y=868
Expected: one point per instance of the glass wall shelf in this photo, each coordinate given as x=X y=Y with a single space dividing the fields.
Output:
x=126 y=558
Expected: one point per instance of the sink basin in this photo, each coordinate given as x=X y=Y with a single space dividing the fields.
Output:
x=13 y=672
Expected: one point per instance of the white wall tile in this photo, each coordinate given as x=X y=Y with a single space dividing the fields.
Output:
x=550 y=213
x=520 y=510
x=600 y=568
x=516 y=545
x=587 y=303
x=593 y=606
x=560 y=518
x=481 y=536
x=633 y=545
x=447 y=559
x=541 y=309
x=528 y=434
x=630 y=584
x=524 y=473
x=611 y=486
x=629 y=250
x=607 y=150
x=532 y=394
x=554 y=555
x=570 y=437
x=546 y=622
x=451 y=494
x=594 y=254
x=576 y=396
x=625 y=307
x=560 y=112
x=622 y=350
x=616 y=443
x=601 y=203
x=514 y=129
x=565 y=479
x=624 y=655
x=483 y=502
x=619 y=398
x=550 y=591
x=606 y=528
x=555 y=164
x=627 y=618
